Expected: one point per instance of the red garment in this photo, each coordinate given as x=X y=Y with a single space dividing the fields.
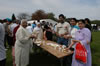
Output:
x=14 y=39
x=14 y=33
x=81 y=53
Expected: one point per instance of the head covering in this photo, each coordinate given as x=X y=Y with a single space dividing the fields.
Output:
x=8 y=19
x=37 y=23
x=23 y=20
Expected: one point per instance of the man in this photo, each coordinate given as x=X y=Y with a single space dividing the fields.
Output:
x=33 y=25
x=23 y=45
x=2 y=48
x=8 y=33
x=38 y=32
x=62 y=28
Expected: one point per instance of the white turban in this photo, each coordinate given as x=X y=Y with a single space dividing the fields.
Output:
x=37 y=23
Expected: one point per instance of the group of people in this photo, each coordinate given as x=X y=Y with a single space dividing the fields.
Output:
x=7 y=28
x=69 y=34
x=20 y=36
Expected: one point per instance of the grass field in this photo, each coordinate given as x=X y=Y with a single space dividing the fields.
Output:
x=43 y=59
x=95 y=48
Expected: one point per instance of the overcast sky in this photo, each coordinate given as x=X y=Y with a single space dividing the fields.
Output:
x=70 y=8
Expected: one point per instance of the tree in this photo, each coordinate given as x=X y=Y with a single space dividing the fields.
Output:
x=23 y=16
x=39 y=14
x=13 y=17
x=95 y=22
x=51 y=16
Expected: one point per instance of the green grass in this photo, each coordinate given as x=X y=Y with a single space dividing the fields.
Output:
x=43 y=59
x=9 y=58
x=95 y=48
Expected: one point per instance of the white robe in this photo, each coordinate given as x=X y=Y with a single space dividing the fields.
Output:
x=22 y=47
x=38 y=32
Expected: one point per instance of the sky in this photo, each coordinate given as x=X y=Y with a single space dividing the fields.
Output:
x=79 y=9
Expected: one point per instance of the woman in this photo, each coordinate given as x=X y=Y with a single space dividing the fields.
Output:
x=14 y=39
x=23 y=45
x=74 y=29
x=83 y=35
x=88 y=24
x=48 y=33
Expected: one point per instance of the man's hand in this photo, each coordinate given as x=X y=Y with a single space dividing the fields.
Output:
x=62 y=35
x=65 y=36
x=32 y=36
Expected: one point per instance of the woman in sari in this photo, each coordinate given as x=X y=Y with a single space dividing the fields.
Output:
x=83 y=35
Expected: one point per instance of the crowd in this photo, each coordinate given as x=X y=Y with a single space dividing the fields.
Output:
x=19 y=35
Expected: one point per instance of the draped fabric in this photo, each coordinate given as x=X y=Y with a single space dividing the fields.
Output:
x=23 y=45
x=83 y=35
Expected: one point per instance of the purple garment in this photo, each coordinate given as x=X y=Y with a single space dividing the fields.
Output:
x=83 y=35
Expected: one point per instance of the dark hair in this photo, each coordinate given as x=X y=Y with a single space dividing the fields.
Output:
x=89 y=24
x=46 y=27
x=1 y=21
x=4 y=20
x=29 y=24
x=81 y=20
x=73 y=19
x=88 y=20
x=17 y=21
x=34 y=22
x=38 y=20
x=61 y=15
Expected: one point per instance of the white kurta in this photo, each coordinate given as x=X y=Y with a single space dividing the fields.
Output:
x=22 y=47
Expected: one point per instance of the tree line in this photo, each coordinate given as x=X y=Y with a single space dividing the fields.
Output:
x=41 y=14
